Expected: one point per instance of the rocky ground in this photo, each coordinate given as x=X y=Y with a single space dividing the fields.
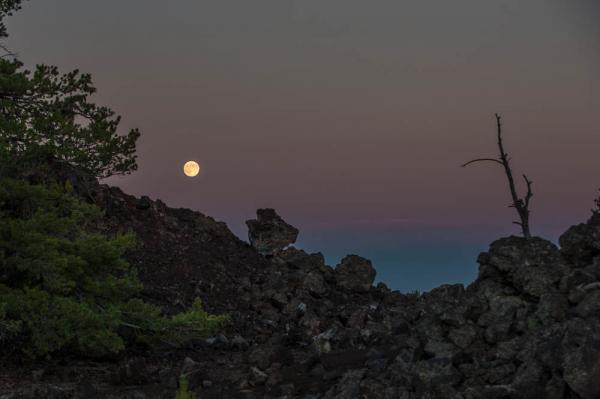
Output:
x=528 y=327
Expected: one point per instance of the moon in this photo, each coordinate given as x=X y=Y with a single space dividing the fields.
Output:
x=191 y=168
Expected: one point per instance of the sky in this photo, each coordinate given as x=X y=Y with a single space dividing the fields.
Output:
x=350 y=118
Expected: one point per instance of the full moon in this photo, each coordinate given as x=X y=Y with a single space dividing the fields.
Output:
x=191 y=168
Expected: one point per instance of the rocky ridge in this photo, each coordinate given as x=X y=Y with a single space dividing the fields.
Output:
x=528 y=327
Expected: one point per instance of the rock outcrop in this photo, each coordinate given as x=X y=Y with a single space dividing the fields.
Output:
x=528 y=327
x=581 y=243
x=355 y=273
x=269 y=233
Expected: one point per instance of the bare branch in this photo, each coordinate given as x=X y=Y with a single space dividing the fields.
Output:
x=7 y=52
x=482 y=160
x=529 y=192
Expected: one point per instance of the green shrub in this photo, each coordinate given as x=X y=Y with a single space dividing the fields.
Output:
x=183 y=390
x=176 y=330
x=65 y=288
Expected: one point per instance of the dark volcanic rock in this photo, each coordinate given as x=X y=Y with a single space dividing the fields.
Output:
x=580 y=244
x=528 y=327
x=355 y=273
x=181 y=254
x=531 y=266
x=269 y=233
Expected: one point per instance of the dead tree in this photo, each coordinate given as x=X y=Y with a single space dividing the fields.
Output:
x=521 y=205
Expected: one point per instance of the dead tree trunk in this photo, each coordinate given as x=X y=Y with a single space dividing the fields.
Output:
x=521 y=205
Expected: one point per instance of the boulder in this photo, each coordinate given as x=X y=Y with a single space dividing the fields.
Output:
x=269 y=233
x=463 y=336
x=589 y=305
x=581 y=243
x=500 y=316
x=315 y=284
x=532 y=266
x=355 y=273
x=581 y=363
x=511 y=253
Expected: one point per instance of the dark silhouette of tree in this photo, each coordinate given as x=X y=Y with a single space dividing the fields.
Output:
x=48 y=116
x=521 y=205
x=7 y=7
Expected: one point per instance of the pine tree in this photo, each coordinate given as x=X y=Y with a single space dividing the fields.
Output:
x=46 y=115
x=65 y=288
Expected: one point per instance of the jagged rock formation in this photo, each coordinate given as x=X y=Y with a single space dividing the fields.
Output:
x=355 y=273
x=528 y=327
x=269 y=233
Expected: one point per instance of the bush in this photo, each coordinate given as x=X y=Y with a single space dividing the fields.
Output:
x=65 y=288
x=176 y=330
x=183 y=389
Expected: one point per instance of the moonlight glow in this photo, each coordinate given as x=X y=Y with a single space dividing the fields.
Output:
x=191 y=168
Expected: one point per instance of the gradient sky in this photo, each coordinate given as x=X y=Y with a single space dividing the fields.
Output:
x=349 y=117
